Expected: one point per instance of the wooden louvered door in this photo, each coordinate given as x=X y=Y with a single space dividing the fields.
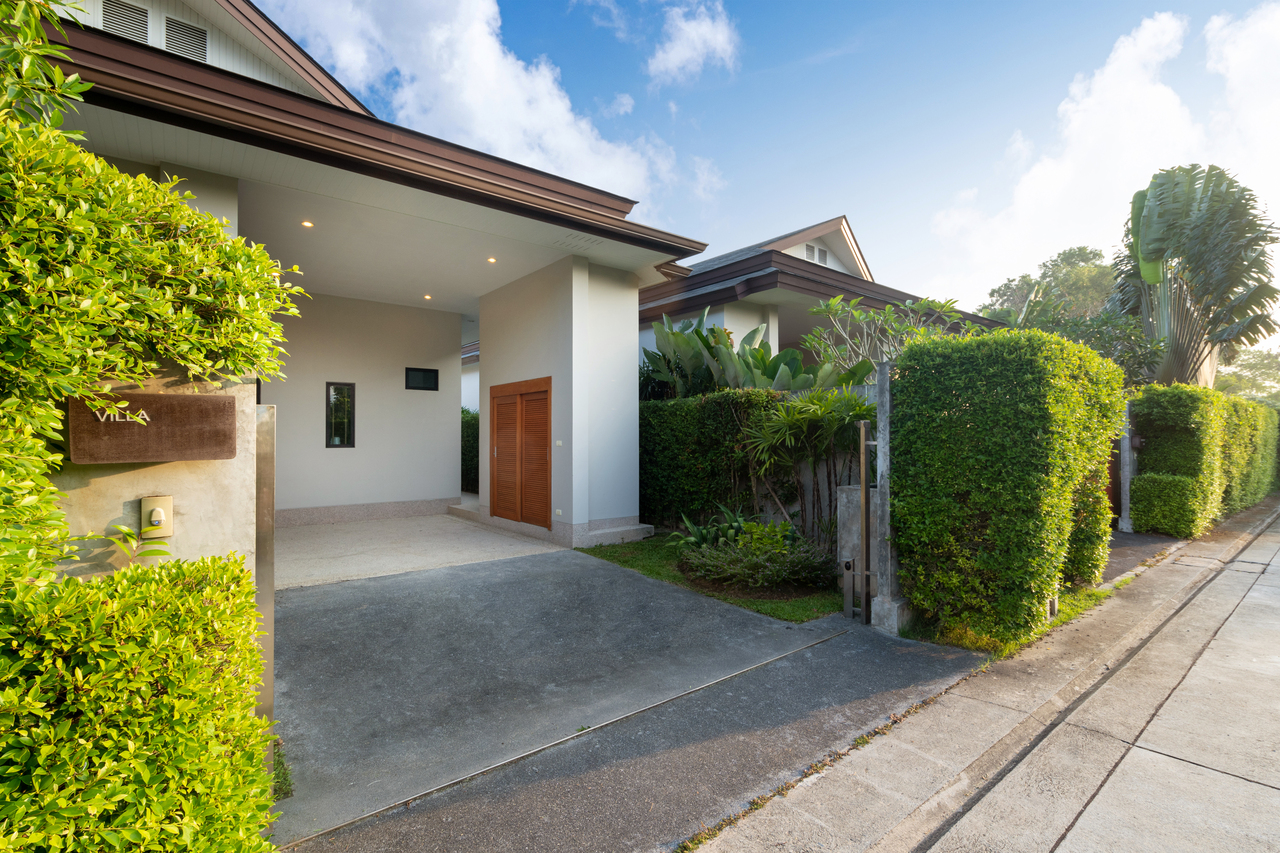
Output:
x=520 y=451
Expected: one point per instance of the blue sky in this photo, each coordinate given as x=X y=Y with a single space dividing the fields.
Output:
x=965 y=142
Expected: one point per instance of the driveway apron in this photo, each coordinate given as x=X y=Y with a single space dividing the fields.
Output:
x=389 y=687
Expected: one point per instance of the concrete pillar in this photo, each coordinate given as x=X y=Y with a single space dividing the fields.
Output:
x=889 y=610
x=771 y=317
x=849 y=532
x=1128 y=468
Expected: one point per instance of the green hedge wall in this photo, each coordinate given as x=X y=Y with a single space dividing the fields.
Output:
x=691 y=452
x=127 y=712
x=1225 y=447
x=999 y=452
x=470 y=451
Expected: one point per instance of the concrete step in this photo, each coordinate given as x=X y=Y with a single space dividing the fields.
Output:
x=615 y=535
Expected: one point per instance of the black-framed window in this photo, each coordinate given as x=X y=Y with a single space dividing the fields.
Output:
x=421 y=379
x=339 y=414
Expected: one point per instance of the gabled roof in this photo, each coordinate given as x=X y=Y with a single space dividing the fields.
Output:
x=836 y=233
x=291 y=54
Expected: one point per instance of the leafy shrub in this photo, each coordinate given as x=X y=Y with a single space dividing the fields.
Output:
x=1225 y=445
x=127 y=712
x=1168 y=503
x=1090 y=544
x=470 y=451
x=800 y=563
x=720 y=530
x=692 y=456
x=998 y=442
x=772 y=538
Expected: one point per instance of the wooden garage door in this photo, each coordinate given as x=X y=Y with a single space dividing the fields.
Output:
x=520 y=451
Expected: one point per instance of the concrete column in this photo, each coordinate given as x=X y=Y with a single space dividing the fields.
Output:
x=889 y=610
x=1128 y=466
x=849 y=532
x=771 y=317
x=579 y=511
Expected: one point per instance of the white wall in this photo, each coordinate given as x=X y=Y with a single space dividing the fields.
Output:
x=613 y=402
x=407 y=443
x=575 y=323
x=471 y=386
x=833 y=262
x=526 y=330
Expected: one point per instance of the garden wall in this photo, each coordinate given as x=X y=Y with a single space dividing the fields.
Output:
x=1205 y=455
x=1000 y=451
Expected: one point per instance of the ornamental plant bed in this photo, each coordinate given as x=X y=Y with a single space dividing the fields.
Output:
x=654 y=558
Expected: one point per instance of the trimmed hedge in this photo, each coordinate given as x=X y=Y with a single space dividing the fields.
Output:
x=470 y=451
x=127 y=712
x=692 y=455
x=999 y=455
x=1223 y=447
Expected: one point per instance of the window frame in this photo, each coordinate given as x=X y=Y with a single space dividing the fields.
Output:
x=431 y=371
x=328 y=415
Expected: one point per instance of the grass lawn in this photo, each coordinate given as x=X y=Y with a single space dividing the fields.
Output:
x=653 y=558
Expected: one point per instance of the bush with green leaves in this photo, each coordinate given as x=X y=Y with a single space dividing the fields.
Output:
x=1223 y=447
x=126 y=702
x=470 y=451
x=754 y=561
x=127 y=712
x=692 y=454
x=1000 y=446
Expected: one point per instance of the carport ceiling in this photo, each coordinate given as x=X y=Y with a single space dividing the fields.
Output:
x=372 y=239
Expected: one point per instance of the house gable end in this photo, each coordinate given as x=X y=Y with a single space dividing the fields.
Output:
x=229 y=34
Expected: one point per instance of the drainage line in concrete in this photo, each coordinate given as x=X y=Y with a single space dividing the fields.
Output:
x=406 y=803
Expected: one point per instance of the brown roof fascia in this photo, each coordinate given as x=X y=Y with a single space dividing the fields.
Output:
x=291 y=54
x=777 y=271
x=801 y=236
x=140 y=79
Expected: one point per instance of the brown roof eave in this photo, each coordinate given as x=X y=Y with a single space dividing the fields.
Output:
x=136 y=78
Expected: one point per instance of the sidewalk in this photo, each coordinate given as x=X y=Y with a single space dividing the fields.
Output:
x=1162 y=737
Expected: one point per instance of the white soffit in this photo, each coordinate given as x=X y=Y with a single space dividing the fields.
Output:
x=372 y=239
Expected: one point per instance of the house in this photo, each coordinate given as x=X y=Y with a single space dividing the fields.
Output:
x=410 y=247
x=773 y=282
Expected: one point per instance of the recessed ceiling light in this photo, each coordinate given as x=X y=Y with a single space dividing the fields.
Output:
x=493 y=260
x=428 y=296
x=306 y=224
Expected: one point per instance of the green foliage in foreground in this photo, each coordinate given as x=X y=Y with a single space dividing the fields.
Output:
x=103 y=277
x=127 y=712
x=755 y=562
x=653 y=558
x=1000 y=449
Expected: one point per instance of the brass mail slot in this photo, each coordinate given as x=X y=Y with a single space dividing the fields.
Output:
x=174 y=428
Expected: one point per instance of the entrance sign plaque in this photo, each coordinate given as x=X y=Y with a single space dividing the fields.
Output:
x=175 y=428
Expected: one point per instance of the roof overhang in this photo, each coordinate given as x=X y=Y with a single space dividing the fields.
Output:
x=751 y=277
x=137 y=79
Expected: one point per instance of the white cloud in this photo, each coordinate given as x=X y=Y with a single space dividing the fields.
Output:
x=707 y=180
x=673 y=108
x=622 y=105
x=1019 y=150
x=607 y=14
x=442 y=68
x=1116 y=128
x=693 y=36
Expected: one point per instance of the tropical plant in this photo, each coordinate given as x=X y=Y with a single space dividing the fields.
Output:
x=799 y=563
x=857 y=336
x=722 y=530
x=692 y=354
x=32 y=88
x=1195 y=269
x=806 y=441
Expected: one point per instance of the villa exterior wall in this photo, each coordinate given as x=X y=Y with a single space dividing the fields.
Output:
x=613 y=404
x=407 y=443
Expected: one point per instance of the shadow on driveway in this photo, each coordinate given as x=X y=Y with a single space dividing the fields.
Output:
x=389 y=687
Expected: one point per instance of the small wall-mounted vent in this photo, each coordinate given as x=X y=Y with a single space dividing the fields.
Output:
x=822 y=256
x=186 y=40
x=125 y=19
x=814 y=253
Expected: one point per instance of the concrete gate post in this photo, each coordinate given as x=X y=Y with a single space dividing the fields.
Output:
x=1127 y=465
x=889 y=610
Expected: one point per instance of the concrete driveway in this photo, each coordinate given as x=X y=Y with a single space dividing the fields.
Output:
x=389 y=687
